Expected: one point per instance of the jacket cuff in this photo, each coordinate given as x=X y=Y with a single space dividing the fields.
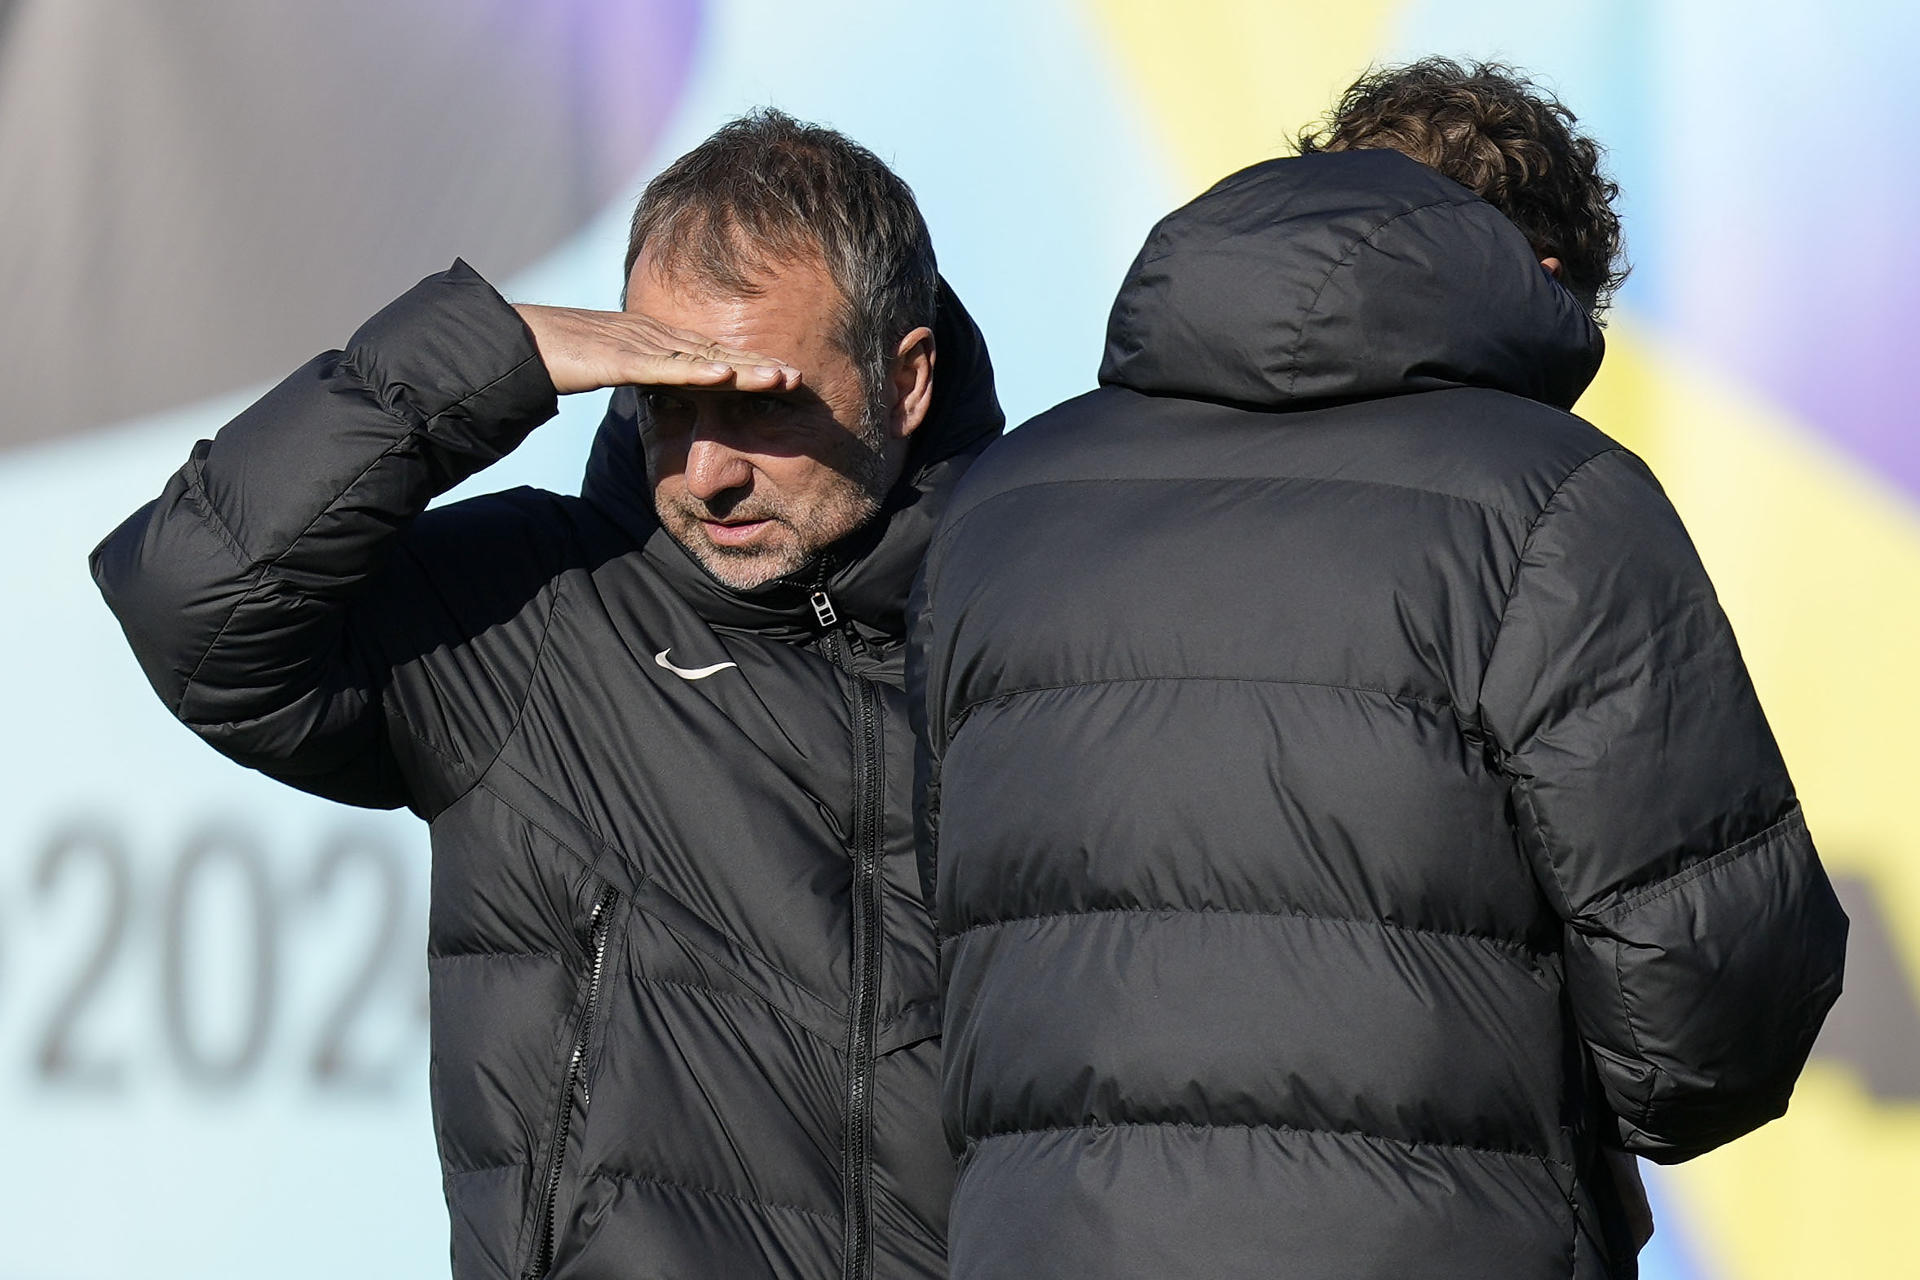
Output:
x=1702 y=995
x=451 y=354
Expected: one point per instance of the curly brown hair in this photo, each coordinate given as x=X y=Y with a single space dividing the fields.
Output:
x=1489 y=128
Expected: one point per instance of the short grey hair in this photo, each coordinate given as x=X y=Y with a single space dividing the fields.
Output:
x=768 y=188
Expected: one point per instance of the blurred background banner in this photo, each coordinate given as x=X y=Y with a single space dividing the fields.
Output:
x=212 y=1033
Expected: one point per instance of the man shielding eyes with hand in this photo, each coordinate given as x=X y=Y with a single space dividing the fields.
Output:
x=682 y=985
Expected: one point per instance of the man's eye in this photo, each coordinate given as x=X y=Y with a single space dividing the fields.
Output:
x=764 y=406
x=661 y=406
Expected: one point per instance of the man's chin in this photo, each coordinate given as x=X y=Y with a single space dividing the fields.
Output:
x=744 y=574
x=742 y=569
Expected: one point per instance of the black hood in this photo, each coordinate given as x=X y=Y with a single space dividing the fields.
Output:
x=1343 y=276
x=873 y=568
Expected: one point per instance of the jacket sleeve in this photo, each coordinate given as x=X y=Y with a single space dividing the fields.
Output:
x=1703 y=944
x=280 y=594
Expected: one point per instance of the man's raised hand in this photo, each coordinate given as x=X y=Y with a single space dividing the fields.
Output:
x=586 y=350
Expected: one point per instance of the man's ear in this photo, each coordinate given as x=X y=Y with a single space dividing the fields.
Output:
x=1555 y=268
x=912 y=376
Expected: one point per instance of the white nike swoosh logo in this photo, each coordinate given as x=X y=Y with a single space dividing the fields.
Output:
x=689 y=673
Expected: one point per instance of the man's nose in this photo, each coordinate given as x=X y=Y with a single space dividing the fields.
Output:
x=713 y=468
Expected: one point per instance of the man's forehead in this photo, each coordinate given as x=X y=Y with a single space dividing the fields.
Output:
x=686 y=274
x=790 y=308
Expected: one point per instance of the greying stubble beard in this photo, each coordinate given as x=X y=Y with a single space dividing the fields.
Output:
x=859 y=489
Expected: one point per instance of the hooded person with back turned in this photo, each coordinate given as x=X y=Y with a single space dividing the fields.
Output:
x=1353 y=832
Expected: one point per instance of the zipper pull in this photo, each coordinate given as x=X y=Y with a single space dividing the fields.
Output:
x=823 y=608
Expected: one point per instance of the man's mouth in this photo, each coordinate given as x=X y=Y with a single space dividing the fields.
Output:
x=732 y=532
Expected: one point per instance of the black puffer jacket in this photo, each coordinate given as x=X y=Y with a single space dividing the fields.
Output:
x=682 y=980
x=1353 y=815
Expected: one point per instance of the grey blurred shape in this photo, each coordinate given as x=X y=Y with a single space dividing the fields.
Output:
x=1875 y=1026
x=197 y=195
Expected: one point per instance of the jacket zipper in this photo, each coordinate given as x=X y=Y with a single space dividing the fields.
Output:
x=599 y=926
x=869 y=816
